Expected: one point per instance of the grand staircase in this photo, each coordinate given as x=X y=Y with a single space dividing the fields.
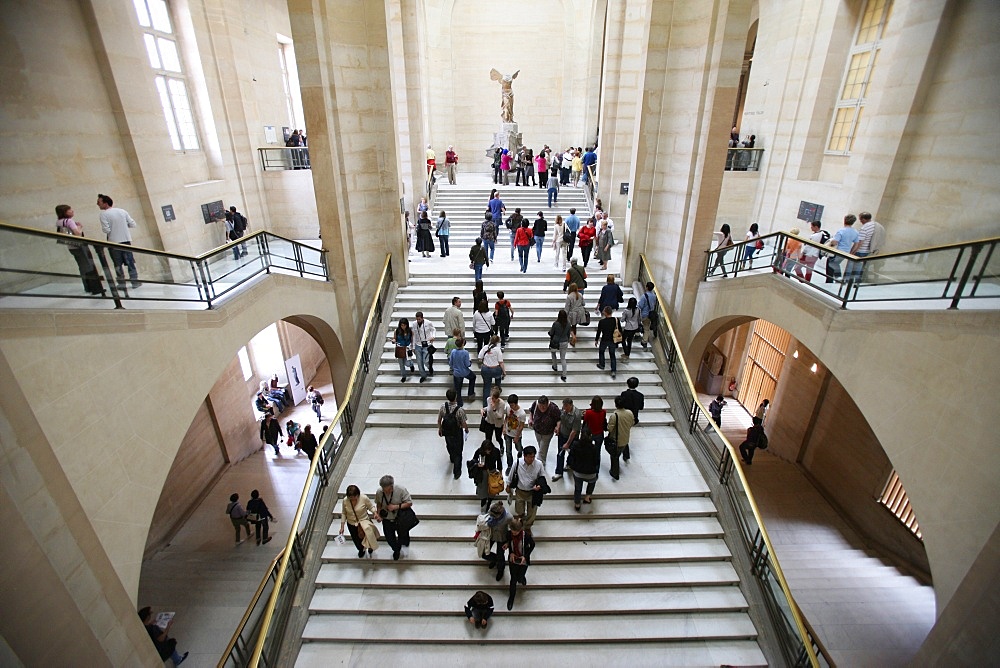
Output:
x=641 y=577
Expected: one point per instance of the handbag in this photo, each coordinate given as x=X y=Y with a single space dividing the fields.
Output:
x=485 y=426
x=406 y=519
x=616 y=335
x=586 y=318
x=759 y=245
x=253 y=517
x=494 y=485
x=400 y=352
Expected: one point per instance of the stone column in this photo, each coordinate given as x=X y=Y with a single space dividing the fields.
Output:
x=344 y=70
x=694 y=52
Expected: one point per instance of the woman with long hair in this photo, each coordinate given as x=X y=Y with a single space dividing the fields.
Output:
x=725 y=242
x=630 y=320
x=576 y=310
x=483 y=323
x=403 y=339
x=559 y=334
x=558 y=243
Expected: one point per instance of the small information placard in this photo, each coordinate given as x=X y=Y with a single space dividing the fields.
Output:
x=213 y=211
x=810 y=212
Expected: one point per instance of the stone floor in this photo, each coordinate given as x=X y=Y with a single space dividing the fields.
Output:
x=200 y=575
x=865 y=611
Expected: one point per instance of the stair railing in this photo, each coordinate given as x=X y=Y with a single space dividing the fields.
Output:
x=798 y=644
x=42 y=269
x=937 y=275
x=257 y=640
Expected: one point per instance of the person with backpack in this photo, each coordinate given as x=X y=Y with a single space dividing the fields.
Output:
x=487 y=462
x=570 y=423
x=488 y=234
x=504 y=312
x=810 y=254
x=238 y=516
x=259 y=515
x=316 y=401
x=648 y=313
x=756 y=438
x=240 y=226
x=543 y=418
x=451 y=422
x=715 y=408
x=572 y=227
x=630 y=326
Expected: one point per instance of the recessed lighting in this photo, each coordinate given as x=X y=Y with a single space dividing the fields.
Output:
x=795 y=354
x=814 y=367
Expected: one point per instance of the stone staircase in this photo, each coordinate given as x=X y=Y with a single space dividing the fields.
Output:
x=641 y=577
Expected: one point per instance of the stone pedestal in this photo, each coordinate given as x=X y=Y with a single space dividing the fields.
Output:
x=508 y=137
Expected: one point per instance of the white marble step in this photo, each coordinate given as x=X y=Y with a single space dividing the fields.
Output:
x=431 y=406
x=571 y=652
x=419 y=602
x=420 y=420
x=382 y=571
x=463 y=552
x=386 y=628
x=608 y=507
x=560 y=527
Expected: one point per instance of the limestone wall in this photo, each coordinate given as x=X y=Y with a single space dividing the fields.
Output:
x=554 y=44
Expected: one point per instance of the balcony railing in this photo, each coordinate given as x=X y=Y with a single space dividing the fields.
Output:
x=41 y=269
x=939 y=277
x=280 y=157
x=743 y=159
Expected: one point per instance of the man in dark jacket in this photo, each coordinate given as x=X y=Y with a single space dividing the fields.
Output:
x=634 y=400
x=270 y=430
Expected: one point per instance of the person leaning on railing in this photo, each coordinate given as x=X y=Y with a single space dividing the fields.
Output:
x=80 y=251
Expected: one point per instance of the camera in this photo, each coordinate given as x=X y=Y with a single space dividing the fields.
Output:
x=383 y=513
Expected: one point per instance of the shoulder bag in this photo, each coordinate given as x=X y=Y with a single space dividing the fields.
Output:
x=616 y=336
x=406 y=519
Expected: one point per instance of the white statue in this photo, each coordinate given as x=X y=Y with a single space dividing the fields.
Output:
x=507 y=95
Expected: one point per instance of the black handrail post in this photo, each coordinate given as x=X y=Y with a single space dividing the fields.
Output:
x=973 y=254
x=109 y=277
x=982 y=269
x=206 y=279
x=693 y=416
x=265 y=252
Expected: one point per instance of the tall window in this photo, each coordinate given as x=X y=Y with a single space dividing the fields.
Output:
x=765 y=356
x=164 y=58
x=894 y=498
x=286 y=84
x=860 y=65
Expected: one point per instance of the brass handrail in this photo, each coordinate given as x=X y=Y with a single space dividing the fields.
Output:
x=246 y=615
x=779 y=574
x=300 y=509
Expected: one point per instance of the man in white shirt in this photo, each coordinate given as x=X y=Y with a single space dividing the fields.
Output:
x=453 y=318
x=522 y=482
x=871 y=237
x=423 y=345
x=116 y=223
x=810 y=254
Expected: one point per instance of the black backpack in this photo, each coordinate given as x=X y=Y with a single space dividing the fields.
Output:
x=503 y=313
x=449 y=423
x=239 y=223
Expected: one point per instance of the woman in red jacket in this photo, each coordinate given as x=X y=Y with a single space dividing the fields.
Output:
x=523 y=239
x=586 y=236
x=596 y=420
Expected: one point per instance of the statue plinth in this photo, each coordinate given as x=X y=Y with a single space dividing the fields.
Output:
x=508 y=137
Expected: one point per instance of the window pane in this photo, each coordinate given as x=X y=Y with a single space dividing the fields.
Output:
x=245 y=363
x=853 y=131
x=160 y=15
x=869 y=22
x=154 y=56
x=168 y=51
x=854 y=83
x=141 y=12
x=182 y=109
x=168 y=114
x=841 y=127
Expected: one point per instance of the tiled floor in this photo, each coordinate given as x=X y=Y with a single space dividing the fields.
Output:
x=865 y=611
x=201 y=575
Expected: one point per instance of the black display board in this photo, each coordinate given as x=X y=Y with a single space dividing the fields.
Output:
x=213 y=211
x=810 y=212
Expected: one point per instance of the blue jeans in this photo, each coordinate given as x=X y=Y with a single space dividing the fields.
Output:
x=854 y=269
x=522 y=256
x=553 y=196
x=833 y=268
x=422 y=355
x=490 y=245
x=121 y=259
x=457 y=383
x=612 y=348
x=490 y=375
x=479 y=271
x=539 y=242
x=561 y=456
x=443 y=240
x=512 y=244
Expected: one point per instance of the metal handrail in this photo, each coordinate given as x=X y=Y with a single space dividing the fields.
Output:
x=253 y=604
x=677 y=359
x=197 y=283
x=858 y=271
x=361 y=362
